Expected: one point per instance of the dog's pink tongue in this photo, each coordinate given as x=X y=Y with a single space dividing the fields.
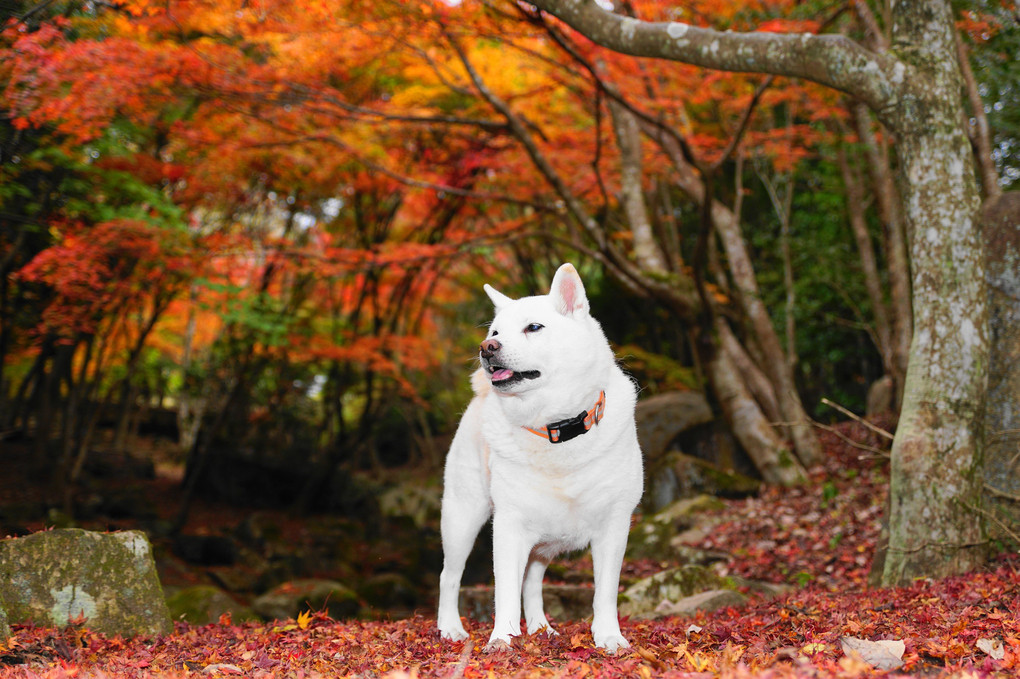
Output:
x=502 y=374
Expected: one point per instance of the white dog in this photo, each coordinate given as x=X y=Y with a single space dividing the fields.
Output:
x=549 y=449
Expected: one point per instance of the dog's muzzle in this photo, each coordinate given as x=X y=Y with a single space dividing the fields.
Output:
x=500 y=375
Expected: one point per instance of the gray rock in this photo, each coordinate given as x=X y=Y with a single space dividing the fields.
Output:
x=203 y=604
x=677 y=475
x=5 y=629
x=652 y=538
x=662 y=417
x=294 y=597
x=109 y=579
x=643 y=597
x=568 y=602
x=476 y=602
x=710 y=600
x=766 y=590
x=389 y=592
x=562 y=602
x=880 y=397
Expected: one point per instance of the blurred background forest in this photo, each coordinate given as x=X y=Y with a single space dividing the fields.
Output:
x=242 y=244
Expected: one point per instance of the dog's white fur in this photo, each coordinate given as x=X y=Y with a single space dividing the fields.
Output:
x=545 y=499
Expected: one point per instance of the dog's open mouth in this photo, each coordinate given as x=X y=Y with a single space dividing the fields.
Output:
x=501 y=376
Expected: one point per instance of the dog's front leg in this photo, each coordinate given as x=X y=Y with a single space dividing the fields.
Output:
x=607 y=549
x=511 y=546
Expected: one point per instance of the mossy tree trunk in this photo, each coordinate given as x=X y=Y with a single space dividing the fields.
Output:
x=936 y=476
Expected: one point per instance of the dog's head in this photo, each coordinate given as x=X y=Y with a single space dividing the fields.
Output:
x=541 y=340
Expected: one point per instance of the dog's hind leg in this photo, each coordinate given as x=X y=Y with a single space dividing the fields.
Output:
x=464 y=512
x=534 y=606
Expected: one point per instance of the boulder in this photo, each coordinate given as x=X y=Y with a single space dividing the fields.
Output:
x=109 y=579
x=203 y=604
x=641 y=599
x=699 y=476
x=476 y=602
x=688 y=451
x=880 y=398
x=711 y=600
x=568 y=602
x=565 y=602
x=294 y=597
x=5 y=629
x=653 y=537
x=389 y=592
x=662 y=417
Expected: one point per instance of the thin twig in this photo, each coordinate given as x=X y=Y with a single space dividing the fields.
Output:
x=849 y=441
x=869 y=425
x=993 y=517
x=1001 y=493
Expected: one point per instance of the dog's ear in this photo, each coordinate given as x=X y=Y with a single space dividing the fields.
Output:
x=499 y=300
x=567 y=292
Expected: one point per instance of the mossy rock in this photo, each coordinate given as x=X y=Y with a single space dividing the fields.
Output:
x=651 y=538
x=562 y=603
x=661 y=418
x=643 y=597
x=389 y=592
x=107 y=579
x=5 y=629
x=677 y=474
x=203 y=604
x=297 y=596
x=568 y=602
x=712 y=600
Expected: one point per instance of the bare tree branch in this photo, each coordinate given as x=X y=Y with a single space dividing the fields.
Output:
x=980 y=134
x=832 y=60
x=615 y=260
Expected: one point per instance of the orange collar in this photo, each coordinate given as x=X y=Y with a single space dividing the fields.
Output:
x=564 y=430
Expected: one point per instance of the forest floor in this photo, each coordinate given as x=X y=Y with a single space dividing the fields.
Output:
x=818 y=539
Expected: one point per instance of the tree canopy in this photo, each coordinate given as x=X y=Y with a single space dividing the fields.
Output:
x=276 y=216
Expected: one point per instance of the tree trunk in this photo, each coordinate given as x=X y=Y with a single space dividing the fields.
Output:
x=628 y=139
x=775 y=362
x=898 y=262
x=757 y=381
x=773 y=459
x=191 y=406
x=934 y=528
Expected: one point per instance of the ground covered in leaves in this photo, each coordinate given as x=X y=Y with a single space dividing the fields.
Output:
x=819 y=539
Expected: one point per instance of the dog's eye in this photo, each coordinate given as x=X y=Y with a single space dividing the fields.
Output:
x=534 y=327
x=494 y=333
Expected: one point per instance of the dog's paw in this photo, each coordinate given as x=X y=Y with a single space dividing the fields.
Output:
x=543 y=628
x=497 y=645
x=612 y=643
x=453 y=633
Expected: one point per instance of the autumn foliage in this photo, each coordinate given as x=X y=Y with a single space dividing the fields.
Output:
x=306 y=189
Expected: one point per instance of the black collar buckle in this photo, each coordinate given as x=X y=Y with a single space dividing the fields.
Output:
x=571 y=428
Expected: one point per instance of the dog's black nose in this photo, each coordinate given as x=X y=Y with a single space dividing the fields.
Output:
x=489 y=348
